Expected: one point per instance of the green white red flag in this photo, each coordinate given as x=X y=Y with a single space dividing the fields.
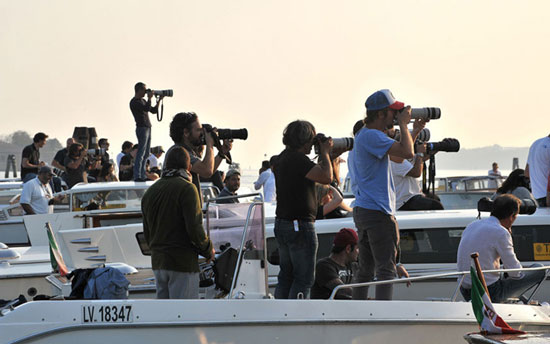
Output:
x=58 y=264
x=487 y=318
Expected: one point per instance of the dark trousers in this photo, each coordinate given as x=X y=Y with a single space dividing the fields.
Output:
x=421 y=202
x=378 y=244
x=510 y=287
x=297 y=254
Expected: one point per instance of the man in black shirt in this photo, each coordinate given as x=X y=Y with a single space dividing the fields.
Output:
x=336 y=269
x=59 y=158
x=232 y=184
x=187 y=131
x=103 y=159
x=127 y=164
x=295 y=177
x=30 y=158
x=140 y=109
x=76 y=165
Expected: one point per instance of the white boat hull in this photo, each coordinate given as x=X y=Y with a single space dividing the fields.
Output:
x=257 y=321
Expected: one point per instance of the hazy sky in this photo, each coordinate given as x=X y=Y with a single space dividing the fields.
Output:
x=261 y=64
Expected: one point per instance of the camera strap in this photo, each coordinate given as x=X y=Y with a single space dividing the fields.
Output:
x=160 y=113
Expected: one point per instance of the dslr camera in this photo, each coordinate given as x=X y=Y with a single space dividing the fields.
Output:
x=527 y=206
x=343 y=144
x=97 y=152
x=224 y=134
x=164 y=93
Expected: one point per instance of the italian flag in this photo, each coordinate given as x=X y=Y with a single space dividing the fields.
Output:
x=55 y=255
x=487 y=318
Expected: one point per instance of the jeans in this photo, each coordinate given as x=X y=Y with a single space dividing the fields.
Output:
x=297 y=254
x=28 y=177
x=378 y=244
x=510 y=287
x=144 y=141
x=176 y=284
x=421 y=202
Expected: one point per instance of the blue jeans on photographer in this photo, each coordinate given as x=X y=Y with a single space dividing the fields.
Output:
x=144 y=141
x=297 y=255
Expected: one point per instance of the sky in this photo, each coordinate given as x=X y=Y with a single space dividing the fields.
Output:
x=262 y=64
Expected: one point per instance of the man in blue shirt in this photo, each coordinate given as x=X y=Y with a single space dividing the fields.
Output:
x=375 y=192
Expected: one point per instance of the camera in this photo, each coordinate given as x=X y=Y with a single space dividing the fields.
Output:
x=423 y=136
x=447 y=145
x=97 y=151
x=225 y=134
x=343 y=144
x=426 y=113
x=527 y=206
x=164 y=93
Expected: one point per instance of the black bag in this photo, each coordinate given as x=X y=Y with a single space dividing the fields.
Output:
x=224 y=268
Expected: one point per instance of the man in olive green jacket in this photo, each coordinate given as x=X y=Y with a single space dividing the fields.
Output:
x=172 y=225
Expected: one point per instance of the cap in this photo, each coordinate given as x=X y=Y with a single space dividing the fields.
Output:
x=46 y=169
x=382 y=99
x=346 y=236
x=161 y=149
x=232 y=172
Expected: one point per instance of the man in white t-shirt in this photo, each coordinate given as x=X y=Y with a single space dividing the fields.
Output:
x=153 y=159
x=267 y=180
x=538 y=168
x=37 y=195
x=408 y=194
x=494 y=176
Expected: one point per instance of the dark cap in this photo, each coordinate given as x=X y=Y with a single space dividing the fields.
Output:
x=47 y=170
x=346 y=236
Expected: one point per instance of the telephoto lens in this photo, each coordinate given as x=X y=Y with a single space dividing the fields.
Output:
x=164 y=93
x=447 y=145
x=423 y=136
x=426 y=113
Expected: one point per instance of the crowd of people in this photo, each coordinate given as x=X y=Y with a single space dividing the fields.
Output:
x=384 y=176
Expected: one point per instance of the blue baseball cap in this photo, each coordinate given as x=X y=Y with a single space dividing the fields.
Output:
x=382 y=99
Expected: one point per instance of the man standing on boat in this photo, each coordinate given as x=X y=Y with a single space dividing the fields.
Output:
x=30 y=158
x=172 y=225
x=375 y=192
x=232 y=184
x=538 y=168
x=186 y=131
x=295 y=177
x=492 y=239
x=140 y=109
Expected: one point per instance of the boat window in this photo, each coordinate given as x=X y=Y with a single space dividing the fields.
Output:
x=108 y=199
x=531 y=242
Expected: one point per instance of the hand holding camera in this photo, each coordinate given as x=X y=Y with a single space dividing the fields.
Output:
x=404 y=116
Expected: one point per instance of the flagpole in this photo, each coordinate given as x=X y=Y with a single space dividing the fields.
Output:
x=475 y=257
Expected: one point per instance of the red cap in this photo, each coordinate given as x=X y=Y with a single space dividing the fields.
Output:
x=346 y=236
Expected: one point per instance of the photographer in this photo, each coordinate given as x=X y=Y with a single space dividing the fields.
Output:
x=76 y=165
x=408 y=193
x=59 y=158
x=516 y=184
x=295 y=177
x=186 y=131
x=492 y=239
x=140 y=109
x=126 y=170
x=100 y=159
x=375 y=192
x=30 y=157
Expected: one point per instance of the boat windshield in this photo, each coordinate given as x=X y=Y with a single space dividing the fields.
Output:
x=107 y=199
x=225 y=224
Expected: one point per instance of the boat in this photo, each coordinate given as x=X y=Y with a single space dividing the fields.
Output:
x=244 y=312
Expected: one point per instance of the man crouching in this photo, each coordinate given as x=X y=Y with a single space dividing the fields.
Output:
x=172 y=225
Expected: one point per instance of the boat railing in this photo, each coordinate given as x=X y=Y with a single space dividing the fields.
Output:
x=459 y=274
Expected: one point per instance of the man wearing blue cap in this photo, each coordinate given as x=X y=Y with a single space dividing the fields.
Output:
x=375 y=192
